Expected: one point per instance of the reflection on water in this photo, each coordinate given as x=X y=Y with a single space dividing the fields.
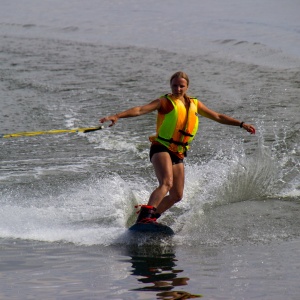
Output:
x=155 y=267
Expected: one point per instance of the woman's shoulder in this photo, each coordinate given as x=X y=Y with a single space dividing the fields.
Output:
x=165 y=104
x=197 y=102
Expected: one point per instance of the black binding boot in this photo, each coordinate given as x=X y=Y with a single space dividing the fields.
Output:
x=146 y=214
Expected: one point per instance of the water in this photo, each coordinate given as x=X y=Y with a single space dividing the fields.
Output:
x=67 y=200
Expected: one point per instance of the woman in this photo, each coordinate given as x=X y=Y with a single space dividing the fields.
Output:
x=177 y=124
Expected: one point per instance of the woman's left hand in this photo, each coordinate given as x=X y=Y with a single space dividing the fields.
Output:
x=250 y=128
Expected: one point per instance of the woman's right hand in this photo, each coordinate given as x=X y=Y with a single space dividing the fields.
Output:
x=113 y=120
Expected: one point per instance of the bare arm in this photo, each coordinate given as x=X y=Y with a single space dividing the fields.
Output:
x=224 y=119
x=132 y=112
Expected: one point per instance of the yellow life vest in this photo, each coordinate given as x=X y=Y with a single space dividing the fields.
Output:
x=177 y=129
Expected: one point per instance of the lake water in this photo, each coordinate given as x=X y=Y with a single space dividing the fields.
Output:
x=68 y=199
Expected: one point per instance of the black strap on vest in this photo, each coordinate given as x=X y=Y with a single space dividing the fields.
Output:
x=173 y=142
x=185 y=133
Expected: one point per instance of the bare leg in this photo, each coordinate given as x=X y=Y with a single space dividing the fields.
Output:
x=170 y=178
x=164 y=172
x=176 y=192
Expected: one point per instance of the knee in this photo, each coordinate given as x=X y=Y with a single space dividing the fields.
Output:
x=167 y=184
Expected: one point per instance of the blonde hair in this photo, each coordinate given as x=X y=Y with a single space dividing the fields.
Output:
x=180 y=74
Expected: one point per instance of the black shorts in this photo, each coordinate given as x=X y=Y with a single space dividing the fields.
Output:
x=160 y=148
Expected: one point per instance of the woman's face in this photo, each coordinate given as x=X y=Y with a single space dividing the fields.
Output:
x=179 y=87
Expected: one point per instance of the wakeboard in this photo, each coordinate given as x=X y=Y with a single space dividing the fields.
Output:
x=152 y=228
